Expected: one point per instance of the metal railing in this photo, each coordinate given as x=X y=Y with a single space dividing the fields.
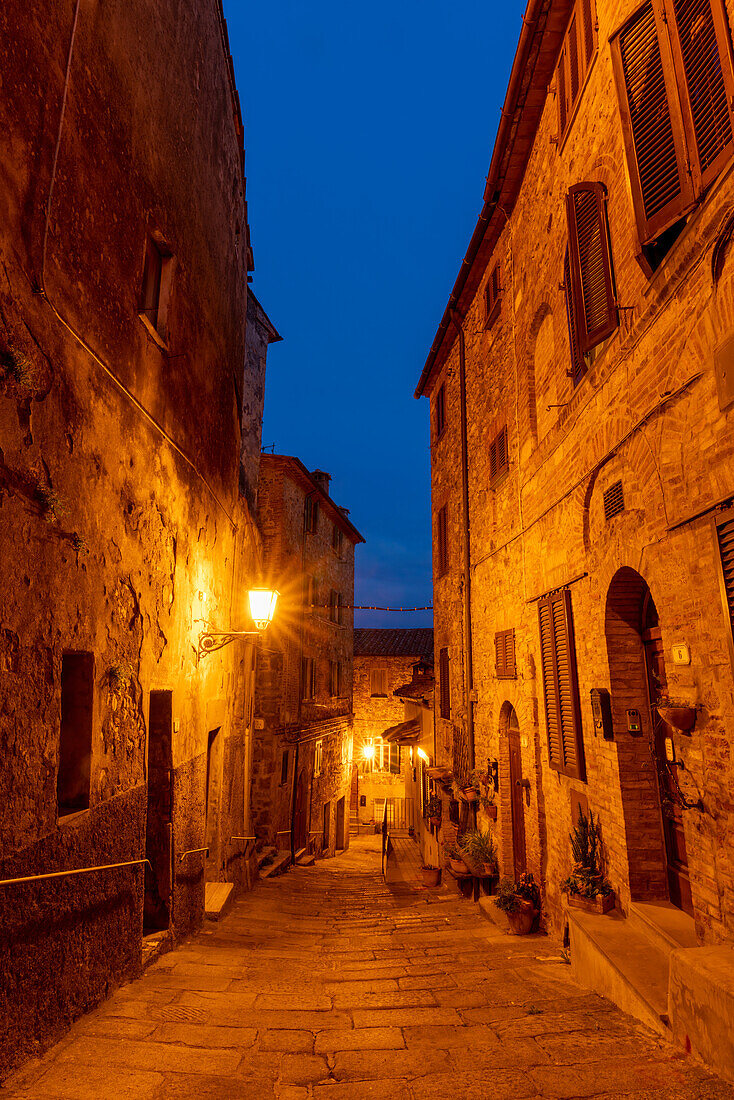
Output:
x=191 y=852
x=75 y=871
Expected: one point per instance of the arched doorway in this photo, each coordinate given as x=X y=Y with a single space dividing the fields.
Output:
x=656 y=851
x=510 y=732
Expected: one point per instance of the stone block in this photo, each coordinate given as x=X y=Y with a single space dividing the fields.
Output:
x=701 y=1004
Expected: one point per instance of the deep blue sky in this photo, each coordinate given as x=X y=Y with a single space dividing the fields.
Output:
x=368 y=133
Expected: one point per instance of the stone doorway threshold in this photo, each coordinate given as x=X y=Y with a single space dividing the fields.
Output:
x=156 y=944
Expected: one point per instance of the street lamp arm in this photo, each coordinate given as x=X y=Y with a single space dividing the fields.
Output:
x=216 y=639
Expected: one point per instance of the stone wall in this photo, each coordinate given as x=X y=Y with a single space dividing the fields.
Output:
x=122 y=532
x=647 y=414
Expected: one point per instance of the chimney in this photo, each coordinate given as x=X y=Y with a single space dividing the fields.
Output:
x=322 y=479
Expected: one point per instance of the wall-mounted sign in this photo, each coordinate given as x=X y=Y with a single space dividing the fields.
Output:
x=669 y=750
x=681 y=654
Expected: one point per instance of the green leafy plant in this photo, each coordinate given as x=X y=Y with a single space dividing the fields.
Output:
x=433 y=806
x=479 y=848
x=117 y=677
x=586 y=879
x=454 y=851
x=510 y=894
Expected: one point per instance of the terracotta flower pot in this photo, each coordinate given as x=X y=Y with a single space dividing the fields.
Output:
x=489 y=870
x=491 y=812
x=681 y=718
x=434 y=821
x=469 y=794
x=458 y=866
x=521 y=921
x=431 y=876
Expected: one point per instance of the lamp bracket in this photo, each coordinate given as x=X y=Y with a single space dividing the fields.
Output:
x=213 y=640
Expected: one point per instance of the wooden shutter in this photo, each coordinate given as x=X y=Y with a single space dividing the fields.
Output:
x=499 y=460
x=578 y=363
x=560 y=685
x=724 y=526
x=504 y=647
x=442 y=540
x=440 y=410
x=578 y=48
x=592 y=284
x=652 y=121
x=443 y=681
x=702 y=55
x=493 y=295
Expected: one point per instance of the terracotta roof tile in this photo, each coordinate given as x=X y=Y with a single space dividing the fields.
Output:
x=393 y=643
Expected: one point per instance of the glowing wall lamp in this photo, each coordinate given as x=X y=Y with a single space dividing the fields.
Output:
x=368 y=752
x=262 y=609
x=424 y=756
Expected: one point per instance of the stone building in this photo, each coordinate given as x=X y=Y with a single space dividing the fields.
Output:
x=383 y=662
x=416 y=735
x=123 y=535
x=580 y=382
x=303 y=697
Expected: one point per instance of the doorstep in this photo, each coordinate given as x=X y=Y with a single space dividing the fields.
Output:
x=218 y=899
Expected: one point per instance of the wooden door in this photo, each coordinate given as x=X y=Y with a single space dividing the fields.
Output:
x=676 y=855
x=300 y=821
x=517 y=798
x=340 y=823
x=156 y=907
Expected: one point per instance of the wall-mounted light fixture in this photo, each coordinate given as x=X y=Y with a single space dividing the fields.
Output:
x=263 y=602
x=368 y=752
x=424 y=756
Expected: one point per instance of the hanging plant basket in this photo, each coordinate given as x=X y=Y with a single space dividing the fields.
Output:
x=681 y=718
x=469 y=794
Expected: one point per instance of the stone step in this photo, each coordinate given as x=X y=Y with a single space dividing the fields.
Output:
x=218 y=899
x=280 y=863
x=664 y=924
x=305 y=859
x=617 y=959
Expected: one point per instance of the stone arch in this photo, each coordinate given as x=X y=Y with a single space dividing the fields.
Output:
x=628 y=601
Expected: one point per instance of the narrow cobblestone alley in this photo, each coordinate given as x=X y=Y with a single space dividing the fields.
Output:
x=325 y=982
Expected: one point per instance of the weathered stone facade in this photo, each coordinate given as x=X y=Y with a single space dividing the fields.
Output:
x=123 y=535
x=303 y=693
x=650 y=412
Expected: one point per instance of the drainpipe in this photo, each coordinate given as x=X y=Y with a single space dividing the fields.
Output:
x=466 y=545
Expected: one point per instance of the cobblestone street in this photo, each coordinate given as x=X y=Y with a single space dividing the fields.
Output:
x=325 y=982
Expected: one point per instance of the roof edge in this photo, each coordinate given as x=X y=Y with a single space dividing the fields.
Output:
x=315 y=490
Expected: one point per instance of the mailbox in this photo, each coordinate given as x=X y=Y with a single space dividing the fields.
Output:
x=601 y=709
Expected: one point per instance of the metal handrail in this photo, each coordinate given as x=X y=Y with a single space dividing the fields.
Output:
x=191 y=852
x=75 y=871
x=241 y=838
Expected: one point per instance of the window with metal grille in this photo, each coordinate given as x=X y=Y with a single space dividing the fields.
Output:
x=499 y=459
x=590 y=294
x=442 y=540
x=444 y=684
x=560 y=685
x=504 y=649
x=307 y=678
x=577 y=52
x=493 y=296
x=613 y=498
x=318 y=757
x=284 y=768
x=675 y=82
x=440 y=411
x=378 y=681
x=724 y=527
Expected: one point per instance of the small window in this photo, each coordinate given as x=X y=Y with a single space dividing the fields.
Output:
x=444 y=684
x=499 y=461
x=378 y=681
x=442 y=540
x=340 y=609
x=613 y=499
x=335 y=679
x=579 y=46
x=492 y=296
x=337 y=540
x=440 y=411
x=155 y=296
x=393 y=761
x=318 y=757
x=284 y=768
x=504 y=648
x=311 y=516
x=307 y=678
x=75 y=742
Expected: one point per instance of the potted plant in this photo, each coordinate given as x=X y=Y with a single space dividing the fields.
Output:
x=466 y=790
x=431 y=875
x=484 y=785
x=456 y=860
x=586 y=887
x=433 y=810
x=480 y=852
x=678 y=713
x=520 y=900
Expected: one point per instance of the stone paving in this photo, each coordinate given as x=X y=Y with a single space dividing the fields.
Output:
x=327 y=983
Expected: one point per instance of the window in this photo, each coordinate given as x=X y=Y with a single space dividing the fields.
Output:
x=284 y=768
x=378 y=681
x=155 y=296
x=444 y=685
x=613 y=498
x=309 y=591
x=442 y=540
x=504 y=648
x=307 y=678
x=311 y=515
x=492 y=296
x=335 y=679
x=337 y=540
x=393 y=761
x=75 y=742
x=440 y=411
x=333 y=605
x=672 y=64
x=340 y=609
x=318 y=757
x=724 y=526
x=560 y=685
x=591 y=300
x=577 y=52
x=499 y=460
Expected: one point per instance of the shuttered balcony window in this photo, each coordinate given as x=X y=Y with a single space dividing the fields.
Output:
x=442 y=541
x=560 y=685
x=504 y=649
x=577 y=52
x=590 y=279
x=444 y=683
x=673 y=69
x=724 y=526
x=499 y=457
